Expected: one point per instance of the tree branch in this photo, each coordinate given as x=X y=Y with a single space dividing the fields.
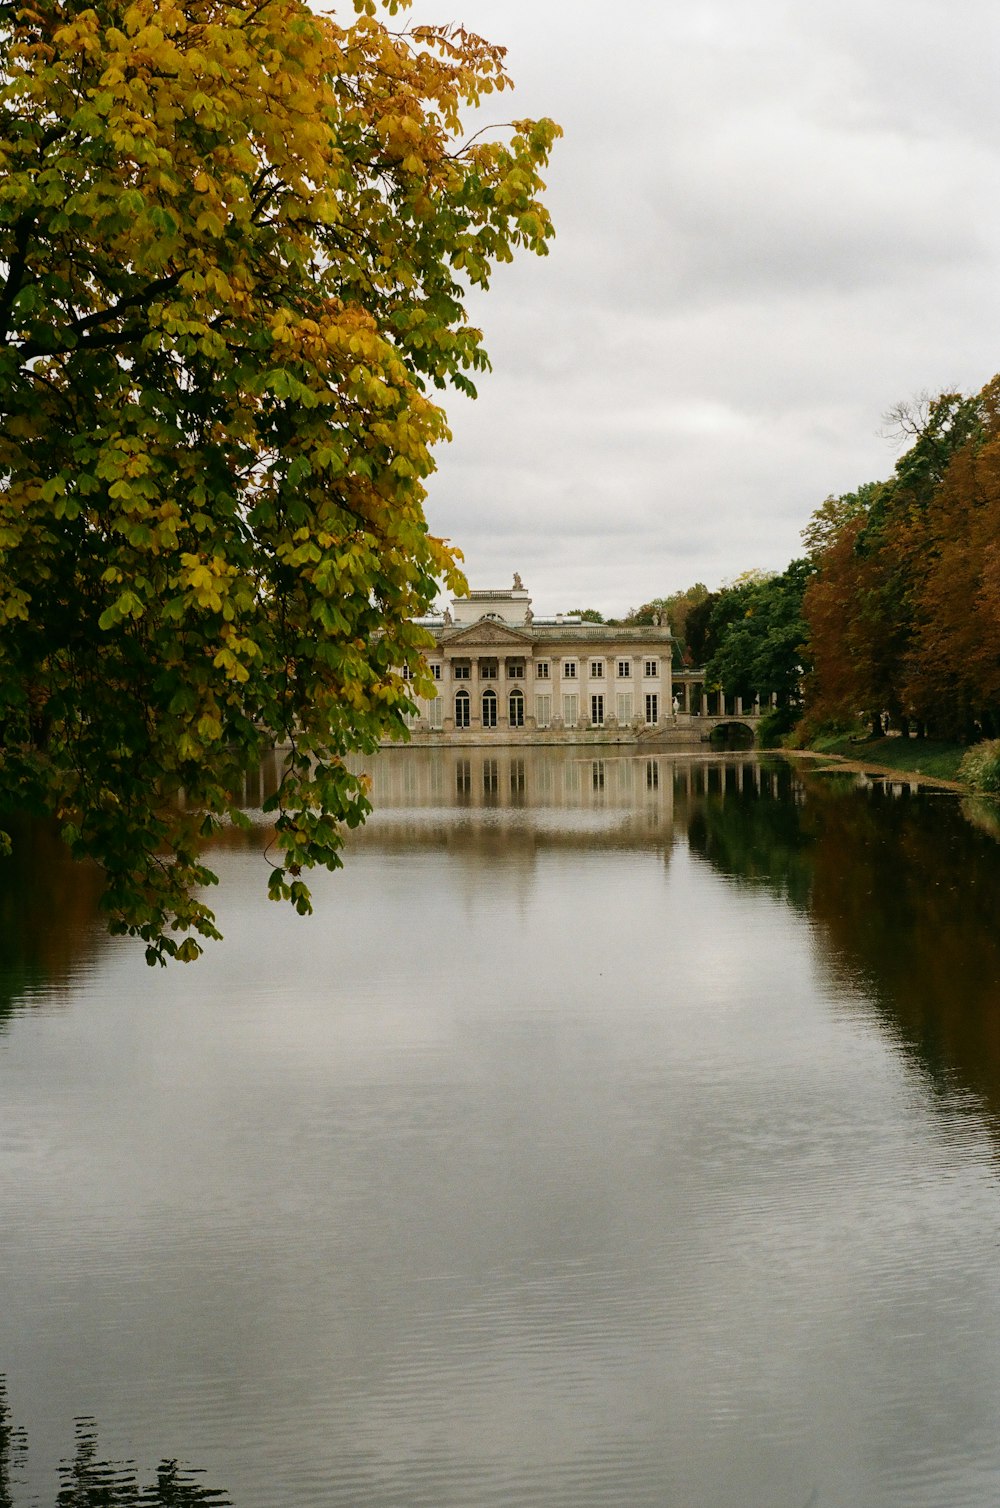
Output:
x=93 y=322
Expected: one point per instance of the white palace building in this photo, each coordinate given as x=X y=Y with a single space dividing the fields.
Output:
x=502 y=674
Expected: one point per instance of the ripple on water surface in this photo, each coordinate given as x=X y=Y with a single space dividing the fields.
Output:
x=585 y=1169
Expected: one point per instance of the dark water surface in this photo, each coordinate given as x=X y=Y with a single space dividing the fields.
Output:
x=620 y=1131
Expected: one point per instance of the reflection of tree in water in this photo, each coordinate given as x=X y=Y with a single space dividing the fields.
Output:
x=903 y=892
x=48 y=912
x=88 y=1482
x=12 y=1450
x=51 y=923
x=753 y=832
x=906 y=892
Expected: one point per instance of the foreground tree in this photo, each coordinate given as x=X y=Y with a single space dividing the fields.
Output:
x=234 y=244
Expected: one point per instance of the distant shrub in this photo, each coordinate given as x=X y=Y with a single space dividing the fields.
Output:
x=980 y=769
x=774 y=725
x=813 y=732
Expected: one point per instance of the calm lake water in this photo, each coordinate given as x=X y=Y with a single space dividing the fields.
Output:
x=620 y=1131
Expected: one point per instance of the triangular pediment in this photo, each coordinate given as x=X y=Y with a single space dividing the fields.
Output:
x=487 y=633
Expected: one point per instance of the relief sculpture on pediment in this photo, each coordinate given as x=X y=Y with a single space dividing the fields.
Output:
x=486 y=635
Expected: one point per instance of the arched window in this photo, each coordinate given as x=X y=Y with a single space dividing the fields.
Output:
x=463 y=705
x=489 y=709
x=516 y=708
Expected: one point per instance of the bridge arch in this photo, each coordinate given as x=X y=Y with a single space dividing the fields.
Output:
x=733 y=732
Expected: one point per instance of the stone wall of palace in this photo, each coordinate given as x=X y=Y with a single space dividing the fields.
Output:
x=499 y=673
x=503 y=675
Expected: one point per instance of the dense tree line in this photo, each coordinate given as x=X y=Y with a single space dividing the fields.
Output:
x=748 y=635
x=893 y=613
x=903 y=611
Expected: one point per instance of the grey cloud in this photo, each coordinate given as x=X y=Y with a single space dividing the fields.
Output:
x=773 y=222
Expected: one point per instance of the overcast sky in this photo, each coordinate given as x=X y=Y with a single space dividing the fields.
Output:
x=775 y=219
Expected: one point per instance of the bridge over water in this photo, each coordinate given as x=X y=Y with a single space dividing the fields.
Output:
x=699 y=708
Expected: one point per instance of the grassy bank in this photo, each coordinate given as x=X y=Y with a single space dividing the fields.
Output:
x=911 y=756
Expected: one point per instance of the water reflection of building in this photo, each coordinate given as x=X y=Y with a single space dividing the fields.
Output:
x=510 y=807
x=540 y=778
x=501 y=674
x=614 y=780
x=513 y=807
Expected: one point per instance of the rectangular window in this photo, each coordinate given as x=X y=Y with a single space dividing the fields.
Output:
x=406 y=673
x=623 y=706
x=652 y=708
x=569 y=670
x=436 y=670
x=597 y=711
x=651 y=667
x=542 y=670
x=461 y=671
x=543 y=711
x=624 y=669
x=515 y=670
x=487 y=670
x=597 y=670
x=571 y=710
x=435 y=712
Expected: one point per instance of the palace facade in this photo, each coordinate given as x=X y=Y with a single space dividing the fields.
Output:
x=503 y=674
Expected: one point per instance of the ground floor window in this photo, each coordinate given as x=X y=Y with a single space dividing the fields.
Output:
x=489 y=709
x=543 y=711
x=597 y=711
x=516 y=709
x=435 y=712
x=623 y=706
x=571 y=709
x=652 y=708
x=462 y=709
